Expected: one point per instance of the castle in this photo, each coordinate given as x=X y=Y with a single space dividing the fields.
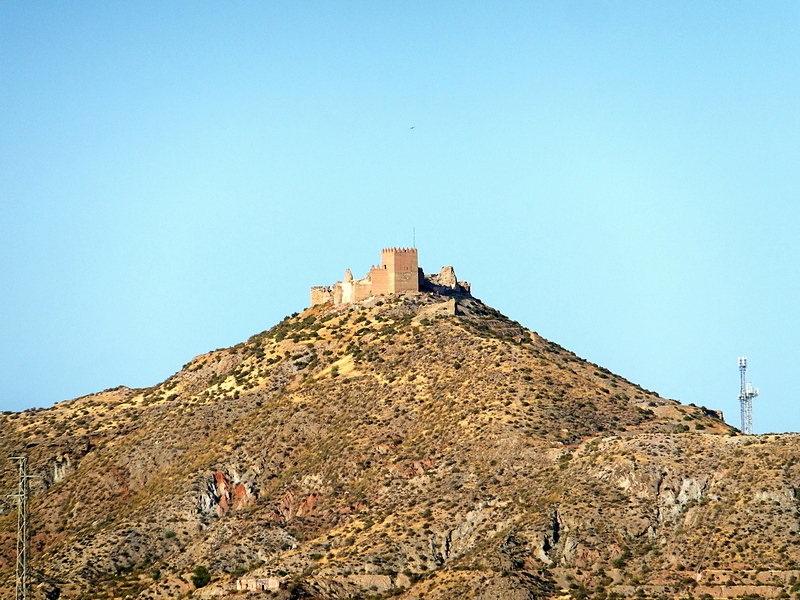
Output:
x=398 y=273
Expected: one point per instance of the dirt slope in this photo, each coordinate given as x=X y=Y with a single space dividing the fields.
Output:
x=395 y=448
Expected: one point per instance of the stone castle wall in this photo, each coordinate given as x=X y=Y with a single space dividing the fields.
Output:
x=320 y=294
x=398 y=273
x=380 y=280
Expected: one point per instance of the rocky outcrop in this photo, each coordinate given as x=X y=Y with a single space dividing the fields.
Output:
x=446 y=308
x=219 y=493
x=445 y=283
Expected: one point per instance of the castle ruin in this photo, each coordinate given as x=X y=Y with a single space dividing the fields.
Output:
x=398 y=273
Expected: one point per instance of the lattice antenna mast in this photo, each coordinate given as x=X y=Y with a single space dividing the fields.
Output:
x=746 y=395
x=22 y=528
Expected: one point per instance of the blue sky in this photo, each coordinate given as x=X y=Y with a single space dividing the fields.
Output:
x=620 y=177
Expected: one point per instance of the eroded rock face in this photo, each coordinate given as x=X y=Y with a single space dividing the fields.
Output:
x=62 y=466
x=447 y=278
x=220 y=492
x=446 y=283
x=676 y=494
x=465 y=534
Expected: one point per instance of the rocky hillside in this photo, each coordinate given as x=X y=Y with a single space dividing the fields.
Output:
x=416 y=447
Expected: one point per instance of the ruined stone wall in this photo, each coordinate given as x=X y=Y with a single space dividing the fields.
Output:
x=445 y=283
x=347 y=292
x=380 y=281
x=398 y=273
x=347 y=286
x=320 y=294
x=362 y=289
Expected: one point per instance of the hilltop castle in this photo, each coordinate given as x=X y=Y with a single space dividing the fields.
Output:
x=398 y=273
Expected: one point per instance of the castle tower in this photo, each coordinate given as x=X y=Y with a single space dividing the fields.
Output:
x=398 y=273
x=402 y=267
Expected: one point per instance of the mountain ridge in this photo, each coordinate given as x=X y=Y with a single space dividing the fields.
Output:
x=421 y=445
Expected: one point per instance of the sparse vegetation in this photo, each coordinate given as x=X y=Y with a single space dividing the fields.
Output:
x=201 y=576
x=449 y=451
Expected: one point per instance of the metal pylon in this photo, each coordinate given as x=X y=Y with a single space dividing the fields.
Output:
x=746 y=396
x=22 y=528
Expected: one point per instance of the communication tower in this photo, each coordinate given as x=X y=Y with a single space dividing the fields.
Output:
x=22 y=528
x=746 y=395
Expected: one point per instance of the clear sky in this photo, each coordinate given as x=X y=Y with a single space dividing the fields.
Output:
x=621 y=177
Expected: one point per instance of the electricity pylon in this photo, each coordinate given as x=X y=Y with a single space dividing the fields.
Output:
x=22 y=528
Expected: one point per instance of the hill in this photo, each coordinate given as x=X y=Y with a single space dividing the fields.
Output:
x=415 y=446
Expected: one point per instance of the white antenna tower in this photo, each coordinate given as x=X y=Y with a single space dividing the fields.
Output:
x=746 y=396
